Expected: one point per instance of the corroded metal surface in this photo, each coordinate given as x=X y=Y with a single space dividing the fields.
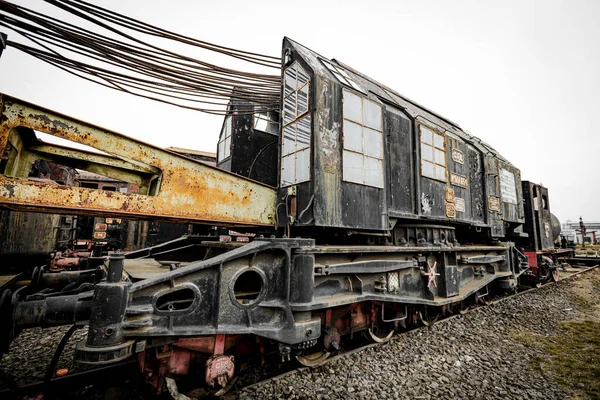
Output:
x=23 y=233
x=180 y=188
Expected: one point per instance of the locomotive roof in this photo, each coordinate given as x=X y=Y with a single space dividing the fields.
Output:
x=384 y=94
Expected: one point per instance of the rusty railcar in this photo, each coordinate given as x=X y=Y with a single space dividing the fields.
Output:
x=29 y=239
x=352 y=209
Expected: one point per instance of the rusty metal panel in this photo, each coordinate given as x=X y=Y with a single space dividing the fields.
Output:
x=182 y=189
x=26 y=233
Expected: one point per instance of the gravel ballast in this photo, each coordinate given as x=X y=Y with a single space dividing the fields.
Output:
x=484 y=354
x=32 y=351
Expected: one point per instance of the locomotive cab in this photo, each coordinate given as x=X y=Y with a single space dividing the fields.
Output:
x=355 y=158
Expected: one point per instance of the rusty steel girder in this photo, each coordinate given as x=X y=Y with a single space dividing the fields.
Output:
x=172 y=187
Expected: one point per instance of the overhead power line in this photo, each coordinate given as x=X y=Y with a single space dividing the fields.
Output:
x=133 y=65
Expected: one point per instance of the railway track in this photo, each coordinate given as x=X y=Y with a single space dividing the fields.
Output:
x=110 y=379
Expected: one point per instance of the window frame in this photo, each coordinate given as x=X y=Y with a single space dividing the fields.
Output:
x=434 y=132
x=228 y=123
x=364 y=154
x=265 y=117
x=302 y=118
x=296 y=115
x=341 y=75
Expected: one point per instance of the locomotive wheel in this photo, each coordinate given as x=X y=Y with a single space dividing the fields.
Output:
x=547 y=270
x=555 y=274
x=430 y=321
x=313 y=360
x=199 y=393
x=380 y=336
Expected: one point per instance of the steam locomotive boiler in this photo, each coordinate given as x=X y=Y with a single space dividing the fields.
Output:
x=353 y=209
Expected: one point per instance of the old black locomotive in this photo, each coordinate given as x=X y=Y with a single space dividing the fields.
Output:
x=349 y=208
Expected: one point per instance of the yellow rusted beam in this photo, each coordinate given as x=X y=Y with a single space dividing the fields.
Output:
x=101 y=159
x=182 y=189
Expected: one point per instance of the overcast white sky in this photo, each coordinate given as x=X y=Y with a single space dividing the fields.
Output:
x=522 y=75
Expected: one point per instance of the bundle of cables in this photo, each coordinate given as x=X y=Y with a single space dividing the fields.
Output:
x=127 y=63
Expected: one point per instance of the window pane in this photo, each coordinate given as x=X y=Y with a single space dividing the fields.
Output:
x=349 y=80
x=340 y=77
x=373 y=143
x=302 y=76
x=289 y=108
x=426 y=135
x=221 y=150
x=373 y=172
x=507 y=187
x=259 y=123
x=273 y=127
x=440 y=173
x=352 y=106
x=227 y=149
x=303 y=136
x=427 y=169
x=302 y=166
x=372 y=114
x=287 y=170
x=303 y=99
x=355 y=86
x=290 y=80
x=353 y=136
x=289 y=139
x=334 y=71
x=439 y=157
x=343 y=72
x=426 y=152
x=439 y=140
x=226 y=129
x=353 y=167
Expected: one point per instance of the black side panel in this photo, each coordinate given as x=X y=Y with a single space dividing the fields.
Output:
x=458 y=177
x=432 y=197
x=493 y=196
x=476 y=181
x=255 y=155
x=397 y=129
x=363 y=207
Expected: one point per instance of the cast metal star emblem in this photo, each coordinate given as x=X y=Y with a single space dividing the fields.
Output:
x=431 y=274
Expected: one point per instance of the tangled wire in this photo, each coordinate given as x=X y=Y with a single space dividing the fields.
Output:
x=135 y=66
